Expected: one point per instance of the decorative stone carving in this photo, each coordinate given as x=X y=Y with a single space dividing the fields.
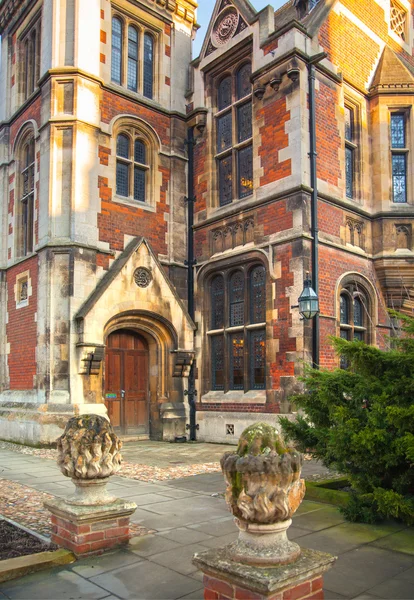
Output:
x=89 y=453
x=355 y=232
x=142 y=277
x=225 y=26
x=232 y=235
x=264 y=490
x=403 y=236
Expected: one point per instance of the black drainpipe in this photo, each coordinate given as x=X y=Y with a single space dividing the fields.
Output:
x=314 y=201
x=191 y=392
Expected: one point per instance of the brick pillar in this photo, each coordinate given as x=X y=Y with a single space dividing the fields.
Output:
x=225 y=579
x=90 y=529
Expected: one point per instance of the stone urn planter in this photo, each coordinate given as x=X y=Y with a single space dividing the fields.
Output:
x=89 y=453
x=264 y=490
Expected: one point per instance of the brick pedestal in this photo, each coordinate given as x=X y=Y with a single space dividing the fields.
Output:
x=225 y=579
x=90 y=530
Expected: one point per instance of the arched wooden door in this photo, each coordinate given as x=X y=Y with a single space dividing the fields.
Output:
x=126 y=381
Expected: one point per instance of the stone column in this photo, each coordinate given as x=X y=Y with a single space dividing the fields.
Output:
x=264 y=490
x=91 y=520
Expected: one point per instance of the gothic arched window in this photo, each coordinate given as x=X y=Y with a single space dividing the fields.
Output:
x=237 y=329
x=354 y=310
x=234 y=150
x=131 y=167
x=26 y=190
x=132 y=58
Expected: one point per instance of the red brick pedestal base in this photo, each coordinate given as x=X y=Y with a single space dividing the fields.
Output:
x=225 y=579
x=90 y=530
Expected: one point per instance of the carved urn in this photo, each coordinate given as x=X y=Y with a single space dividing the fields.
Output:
x=89 y=453
x=264 y=490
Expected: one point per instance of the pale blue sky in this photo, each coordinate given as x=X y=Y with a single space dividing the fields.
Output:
x=205 y=8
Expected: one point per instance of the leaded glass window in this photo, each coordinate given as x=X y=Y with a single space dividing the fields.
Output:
x=217 y=361
x=353 y=314
x=29 y=63
x=217 y=302
x=131 y=162
x=350 y=152
x=236 y=361
x=238 y=307
x=237 y=299
x=399 y=157
x=148 y=65
x=398 y=130
x=116 y=54
x=258 y=295
x=258 y=359
x=132 y=59
x=234 y=136
x=25 y=233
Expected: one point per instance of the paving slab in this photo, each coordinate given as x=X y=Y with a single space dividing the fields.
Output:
x=181 y=561
x=359 y=570
x=145 y=581
x=403 y=541
x=319 y=519
x=63 y=584
x=218 y=527
x=185 y=535
x=222 y=540
x=151 y=544
x=394 y=589
x=196 y=595
x=96 y=565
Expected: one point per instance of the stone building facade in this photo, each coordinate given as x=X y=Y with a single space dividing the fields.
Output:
x=107 y=125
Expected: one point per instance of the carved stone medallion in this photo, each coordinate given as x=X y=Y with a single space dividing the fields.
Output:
x=142 y=277
x=225 y=26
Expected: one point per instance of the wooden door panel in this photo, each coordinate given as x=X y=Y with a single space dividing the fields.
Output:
x=127 y=369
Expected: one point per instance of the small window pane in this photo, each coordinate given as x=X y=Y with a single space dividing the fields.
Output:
x=236 y=362
x=217 y=362
x=225 y=180
x=399 y=178
x=244 y=122
x=132 y=59
x=345 y=335
x=258 y=295
x=139 y=184
x=245 y=171
x=244 y=86
x=344 y=318
x=257 y=360
x=348 y=124
x=224 y=93
x=148 y=66
x=224 y=132
x=116 y=55
x=217 y=302
x=359 y=335
x=139 y=152
x=122 y=146
x=397 y=130
x=122 y=176
x=358 y=313
x=349 y=172
x=237 y=299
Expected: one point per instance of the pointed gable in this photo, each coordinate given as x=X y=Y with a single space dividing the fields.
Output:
x=229 y=18
x=391 y=72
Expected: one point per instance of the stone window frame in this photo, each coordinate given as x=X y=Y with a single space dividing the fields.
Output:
x=353 y=144
x=247 y=329
x=396 y=6
x=24 y=240
x=406 y=112
x=20 y=279
x=356 y=286
x=29 y=60
x=133 y=126
x=403 y=5
x=236 y=146
x=143 y=31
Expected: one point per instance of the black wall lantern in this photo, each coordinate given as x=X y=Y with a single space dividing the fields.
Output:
x=308 y=300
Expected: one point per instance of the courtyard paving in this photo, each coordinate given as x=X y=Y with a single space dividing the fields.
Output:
x=188 y=515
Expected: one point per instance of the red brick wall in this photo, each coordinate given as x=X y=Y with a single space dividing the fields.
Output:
x=327 y=134
x=21 y=329
x=116 y=220
x=330 y=218
x=274 y=217
x=274 y=116
x=31 y=112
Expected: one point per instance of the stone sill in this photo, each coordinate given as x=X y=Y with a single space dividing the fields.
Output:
x=235 y=397
x=13 y=568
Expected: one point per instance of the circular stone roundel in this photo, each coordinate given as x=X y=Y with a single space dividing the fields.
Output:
x=142 y=277
x=225 y=26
